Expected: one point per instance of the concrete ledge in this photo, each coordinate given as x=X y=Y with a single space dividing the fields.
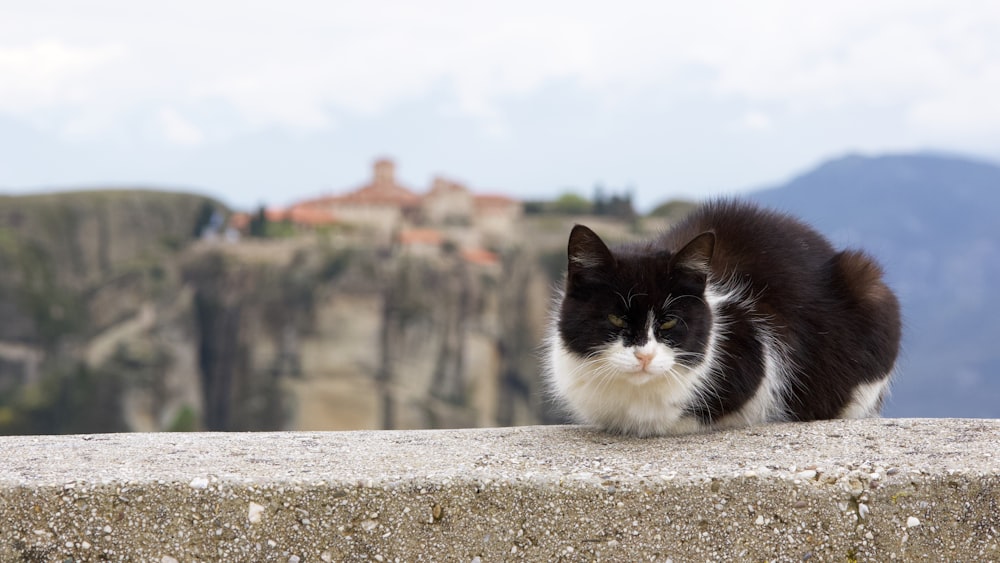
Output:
x=873 y=490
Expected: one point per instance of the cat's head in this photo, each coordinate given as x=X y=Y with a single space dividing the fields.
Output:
x=636 y=314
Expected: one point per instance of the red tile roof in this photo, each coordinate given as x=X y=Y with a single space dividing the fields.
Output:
x=383 y=190
x=493 y=201
x=480 y=256
x=380 y=194
x=421 y=236
x=302 y=214
x=239 y=221
x=442 y=185
x=275 y=214
x=311 y=216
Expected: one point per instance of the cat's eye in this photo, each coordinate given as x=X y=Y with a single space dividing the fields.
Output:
x=669 y=323
x=616 y=321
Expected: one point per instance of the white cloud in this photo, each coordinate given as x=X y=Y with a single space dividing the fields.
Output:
x=756 y=121
x=298 y=64
x=48 y=72
x=178 y=129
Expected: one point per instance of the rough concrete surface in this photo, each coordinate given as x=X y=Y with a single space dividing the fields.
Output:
x=872 y=490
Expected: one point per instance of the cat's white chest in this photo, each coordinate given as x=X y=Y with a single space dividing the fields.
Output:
x=613 y=391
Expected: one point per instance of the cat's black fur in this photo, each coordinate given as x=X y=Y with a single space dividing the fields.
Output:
x=783 y=305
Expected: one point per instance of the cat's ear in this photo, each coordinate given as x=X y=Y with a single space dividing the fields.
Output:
x=587 y=252
x=696 y=256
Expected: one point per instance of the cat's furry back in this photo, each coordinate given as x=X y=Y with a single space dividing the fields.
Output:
x=736 y=316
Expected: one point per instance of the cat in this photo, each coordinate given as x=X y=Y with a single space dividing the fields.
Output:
x=736 y=316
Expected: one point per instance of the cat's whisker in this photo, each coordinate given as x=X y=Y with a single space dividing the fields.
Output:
x=597 y=375
x=603 y=378
x=670 y=300
x=685 y=354
x=584 y=367
x=675 y=376
x=627 y=300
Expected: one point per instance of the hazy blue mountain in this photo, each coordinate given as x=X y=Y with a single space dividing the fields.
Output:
x=934 y=223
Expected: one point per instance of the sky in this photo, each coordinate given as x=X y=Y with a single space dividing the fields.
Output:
x=271 y=102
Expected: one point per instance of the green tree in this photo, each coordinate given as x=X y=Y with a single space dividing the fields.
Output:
x=571 y=203
x=258 y=223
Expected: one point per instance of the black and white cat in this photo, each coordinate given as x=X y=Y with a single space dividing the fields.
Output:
x=734 y=317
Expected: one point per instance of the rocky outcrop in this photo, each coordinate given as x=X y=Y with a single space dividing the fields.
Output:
x=362 y=337
x=88 y=286
x=118 y=317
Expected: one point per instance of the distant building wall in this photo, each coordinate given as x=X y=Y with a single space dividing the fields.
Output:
x=384 y=205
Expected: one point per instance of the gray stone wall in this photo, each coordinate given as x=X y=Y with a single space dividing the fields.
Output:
x=871 y=490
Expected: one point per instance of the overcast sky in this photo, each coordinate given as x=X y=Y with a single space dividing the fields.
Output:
x=274 y=101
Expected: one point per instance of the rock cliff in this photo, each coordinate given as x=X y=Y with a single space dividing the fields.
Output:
x=119 y=316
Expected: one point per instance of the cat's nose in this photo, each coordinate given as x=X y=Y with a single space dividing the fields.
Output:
x=644 y=357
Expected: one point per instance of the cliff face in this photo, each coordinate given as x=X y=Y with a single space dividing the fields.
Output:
x=75 y=261
x=82 y=276
x=117 y=317
x=316 y=336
